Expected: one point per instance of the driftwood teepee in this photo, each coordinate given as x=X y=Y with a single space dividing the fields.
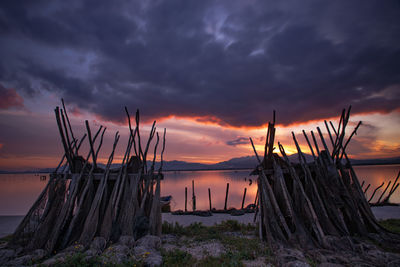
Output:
x=304 y=205
x=83 y=200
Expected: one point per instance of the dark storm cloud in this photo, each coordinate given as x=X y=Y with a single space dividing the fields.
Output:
x=230 y=61
x=238 y=141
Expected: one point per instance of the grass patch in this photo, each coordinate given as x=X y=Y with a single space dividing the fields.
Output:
x=227 y=259
x=392 y=225
x=201 y=232
x=237 y=247
x=245 y=248
x=177 y=258
x=79 y=260
x=7 y=238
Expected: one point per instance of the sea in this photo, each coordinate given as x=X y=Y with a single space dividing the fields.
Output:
x=19 y=191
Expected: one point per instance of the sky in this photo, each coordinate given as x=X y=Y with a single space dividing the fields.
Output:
x=211 y=72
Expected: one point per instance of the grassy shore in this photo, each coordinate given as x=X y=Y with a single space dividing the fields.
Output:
x=226 y=244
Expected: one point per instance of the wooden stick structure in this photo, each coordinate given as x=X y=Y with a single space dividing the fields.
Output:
x=83 y=199
x=309 y=204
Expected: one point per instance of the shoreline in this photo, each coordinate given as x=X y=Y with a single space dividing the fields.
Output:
x=8 y=223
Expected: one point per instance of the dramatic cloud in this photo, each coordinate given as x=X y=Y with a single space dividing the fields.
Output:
x=230 y=62
x=9 y=98
x=238 y=141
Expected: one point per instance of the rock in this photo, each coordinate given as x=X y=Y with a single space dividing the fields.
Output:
x=141 y=226
x=169 y=238
x=376 y=254
x=115 y=254
x=150 y=242
x=250 y=206
x=237 y=212
x=329 y=264
x=38 y=254
x=338 y=259
x=127 y=240
x=59 y=258
x=6 y=255
x=74 y=248
x=153 y=259
x=202 y=213
x=98 y=243
x=150 y=256
x=394 y=263
x=178 y=212
x=18 y=251
x=147 y=248
x=290 y=255
x=296 y=263
x=92 y=252
x=318 y=256
x=23 y=260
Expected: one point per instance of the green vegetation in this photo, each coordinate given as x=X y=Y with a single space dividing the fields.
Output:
x=177 y=258
x=201 y=232
x=238 y=240
x=79 y=259
x=6 y=238
x=392 y=225
x=226 y=259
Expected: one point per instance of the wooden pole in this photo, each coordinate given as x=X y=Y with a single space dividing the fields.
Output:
x=185 y=199
x=226 y=196
x=193 y=197
x=209 y=198
x=244 y=196
x=64 y=142
x=256 y=199
x=91 y=143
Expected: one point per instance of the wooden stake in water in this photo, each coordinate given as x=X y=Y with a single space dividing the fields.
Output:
x=193 y=197
x=226 y=196
x=185 y=199
x=256 y=199
x=209 y=198
x=244 y=196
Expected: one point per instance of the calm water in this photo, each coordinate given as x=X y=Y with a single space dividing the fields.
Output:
x=19 y=191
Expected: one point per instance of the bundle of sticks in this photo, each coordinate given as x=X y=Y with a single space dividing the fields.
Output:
x=302 y=204
x=82 y=200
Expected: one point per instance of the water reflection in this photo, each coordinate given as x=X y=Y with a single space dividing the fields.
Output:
x=375 y=175
x=19 y=191
x=175 y=182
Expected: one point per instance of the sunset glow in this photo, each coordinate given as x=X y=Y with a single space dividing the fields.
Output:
x=212 y=75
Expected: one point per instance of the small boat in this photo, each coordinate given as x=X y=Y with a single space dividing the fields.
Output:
x=165 y=200
x=165 y=203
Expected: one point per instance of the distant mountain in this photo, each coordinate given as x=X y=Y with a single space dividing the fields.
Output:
x=385 y=161
x=247 y=162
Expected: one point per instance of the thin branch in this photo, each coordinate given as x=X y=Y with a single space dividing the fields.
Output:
x=255 y=151
x=69 y=123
